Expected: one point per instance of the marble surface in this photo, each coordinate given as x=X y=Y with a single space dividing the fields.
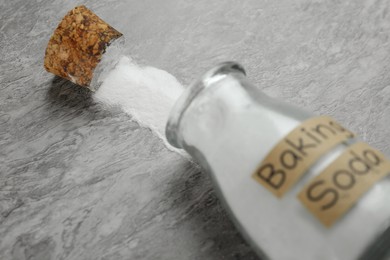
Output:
x=80 y=181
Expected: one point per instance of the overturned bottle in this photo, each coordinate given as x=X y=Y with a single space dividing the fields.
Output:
x=298 y=186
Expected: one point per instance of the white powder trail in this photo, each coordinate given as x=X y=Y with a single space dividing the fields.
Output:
x=147 y=94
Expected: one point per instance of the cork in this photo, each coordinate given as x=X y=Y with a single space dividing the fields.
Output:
x=77 y=45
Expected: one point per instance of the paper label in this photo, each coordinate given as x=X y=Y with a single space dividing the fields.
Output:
x=336 y=189
x=297 y=152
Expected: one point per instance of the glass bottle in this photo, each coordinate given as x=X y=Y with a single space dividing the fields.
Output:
x=228 y=126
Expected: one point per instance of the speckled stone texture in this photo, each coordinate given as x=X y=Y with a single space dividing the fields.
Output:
x=81 y=181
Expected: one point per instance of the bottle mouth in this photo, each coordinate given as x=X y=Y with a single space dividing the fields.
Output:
x=207 y=80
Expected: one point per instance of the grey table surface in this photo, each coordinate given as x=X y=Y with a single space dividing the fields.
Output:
x=80 y=181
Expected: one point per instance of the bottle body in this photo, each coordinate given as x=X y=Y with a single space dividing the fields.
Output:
x=229 y=127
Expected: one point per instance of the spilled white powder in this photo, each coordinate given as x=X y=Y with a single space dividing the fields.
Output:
x=147 y=94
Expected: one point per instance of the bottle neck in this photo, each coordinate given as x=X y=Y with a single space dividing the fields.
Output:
x=208 y=80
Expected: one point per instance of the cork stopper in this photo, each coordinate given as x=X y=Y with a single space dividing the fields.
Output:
x=77 y=45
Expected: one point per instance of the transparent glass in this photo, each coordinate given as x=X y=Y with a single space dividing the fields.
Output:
x=228 y=126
